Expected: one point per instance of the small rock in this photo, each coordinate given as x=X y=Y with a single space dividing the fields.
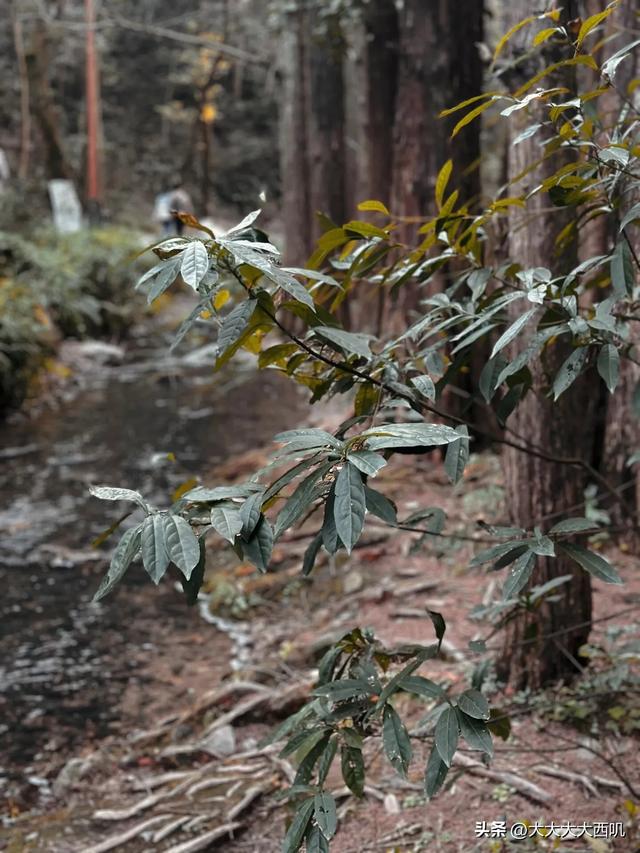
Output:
x=353 y=582
x=92 y=352
x=391 y=804
x=221 y=742
x=72 y=773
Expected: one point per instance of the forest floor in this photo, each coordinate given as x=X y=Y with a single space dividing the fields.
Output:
x=191 y=695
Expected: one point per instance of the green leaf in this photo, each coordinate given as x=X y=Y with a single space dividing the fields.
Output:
x=447 y=734
x=424 y=386
x=234 y=324
x=349 y=505
x=496 y=552
x=324 y=813
x=301 y=500
x=352 y=342
x=609 y=366
x=632 y=215
x=344 y=688
x=457 y=455
x=488 y=381
x=181 y=544
x=330 y=538
x=315 y=840
x=110 y=493
x=474 y=704
x=195 y=263
x=311 y=554
x=353 y=769
x=388 y=436
x=475 y=732
x=622 y=276
x=519 y=575
x=380 y=506
x=395 y=740
x=326 y=760
x=367 y=461
x=394 y=684
x=227 y=522
x=569 y=371
x=124 y=554
x=573 y=525
x=154 y=549
x=297 y=830
x=166 y=273
x=609 y=67
x=421 y=686
x=514 y=329
x=592 y=563
x=201 y=494
x=435 y=773
x=259 y=547
x=192 y=585
x=439 y=625
x=308 y=438
x=250 y=514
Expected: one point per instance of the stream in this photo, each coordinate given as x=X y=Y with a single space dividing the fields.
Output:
x=65 y=661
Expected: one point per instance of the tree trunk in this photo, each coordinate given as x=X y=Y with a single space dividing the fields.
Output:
x=312 y=127
x=325 y=121
x=293 y=136
x=542 y=645
x=44 y=109
x=438 y=66
x=622 y=426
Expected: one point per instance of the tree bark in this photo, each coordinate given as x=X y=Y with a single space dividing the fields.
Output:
x=543 y=644
x=438 y=66
x=44 y=108
x=312 y=125
x=622 y=425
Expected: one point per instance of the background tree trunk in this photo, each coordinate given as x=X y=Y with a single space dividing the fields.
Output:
x=542 y=645
x=622 y=425
x=44 y=108
x=293 y=136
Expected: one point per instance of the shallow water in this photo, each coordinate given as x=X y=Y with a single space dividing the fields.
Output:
x=58 y=681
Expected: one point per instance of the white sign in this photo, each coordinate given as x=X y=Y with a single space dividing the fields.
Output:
x=67 y=211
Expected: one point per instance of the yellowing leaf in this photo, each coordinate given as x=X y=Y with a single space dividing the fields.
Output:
x=183 y=488
x=442 y=180
x=221 y=298
x=254 y=343
x=565 y=63
x=470 y=117
x=543 y=35
x=592 y=22
x=208 y=113
x=371 y=204
x=514 y=29
x=466 y=103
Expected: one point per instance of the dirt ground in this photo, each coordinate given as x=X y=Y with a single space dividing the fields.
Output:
x=179 y=767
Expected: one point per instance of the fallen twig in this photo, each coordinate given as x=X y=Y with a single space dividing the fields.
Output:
x=523 y=786
x=203 y=841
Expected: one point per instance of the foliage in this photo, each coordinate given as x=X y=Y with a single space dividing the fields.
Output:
x=397 y=383
x=52 y=286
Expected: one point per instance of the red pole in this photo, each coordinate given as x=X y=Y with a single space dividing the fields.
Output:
x=93 y=166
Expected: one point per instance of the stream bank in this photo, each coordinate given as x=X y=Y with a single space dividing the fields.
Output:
x=73 y=672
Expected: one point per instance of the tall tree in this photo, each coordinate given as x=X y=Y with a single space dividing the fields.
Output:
x=439 y=65
x=622 y=427
x=541 y=644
